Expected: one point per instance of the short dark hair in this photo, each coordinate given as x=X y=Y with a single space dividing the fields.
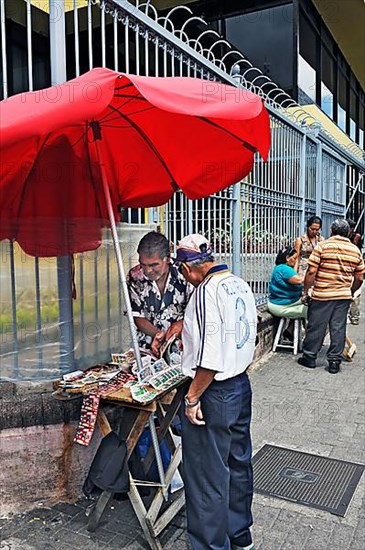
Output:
x=284 y=254
x=153 y=243
x=314 y=219
x=340 y=227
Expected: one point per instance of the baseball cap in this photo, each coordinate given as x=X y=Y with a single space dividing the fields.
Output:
x=193 y=247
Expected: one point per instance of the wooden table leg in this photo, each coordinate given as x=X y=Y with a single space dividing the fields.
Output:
x=99 y=510
x=141 y=513
x=165 y=424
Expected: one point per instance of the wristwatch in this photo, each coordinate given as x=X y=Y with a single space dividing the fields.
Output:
x=190 y=404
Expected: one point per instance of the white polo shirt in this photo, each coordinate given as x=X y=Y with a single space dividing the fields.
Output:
x=220 y=322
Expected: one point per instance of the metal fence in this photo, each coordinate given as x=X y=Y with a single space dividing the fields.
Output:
x=42 y=328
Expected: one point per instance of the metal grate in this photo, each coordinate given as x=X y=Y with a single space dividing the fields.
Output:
x=312 y=480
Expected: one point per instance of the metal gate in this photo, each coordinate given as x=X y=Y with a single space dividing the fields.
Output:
x=41 y=327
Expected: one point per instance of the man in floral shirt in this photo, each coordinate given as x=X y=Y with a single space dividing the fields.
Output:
x=158 y=293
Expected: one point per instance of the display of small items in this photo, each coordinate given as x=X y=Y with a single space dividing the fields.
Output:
x=155 y=376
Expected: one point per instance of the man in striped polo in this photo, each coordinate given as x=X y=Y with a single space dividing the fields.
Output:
x=335 y=272
x=218 y=338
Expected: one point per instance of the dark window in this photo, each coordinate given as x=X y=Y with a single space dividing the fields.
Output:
x=266 y=38
x=307 y=42
x=327 y=83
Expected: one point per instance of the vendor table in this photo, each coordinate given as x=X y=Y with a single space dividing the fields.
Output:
x=134 y=419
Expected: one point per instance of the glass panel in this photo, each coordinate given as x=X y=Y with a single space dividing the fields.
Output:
x=352 y=129
x=307 y=79
x=342 y=100
x=361 y=124
x=341 y=118
x=361 y=139
x=326 y=100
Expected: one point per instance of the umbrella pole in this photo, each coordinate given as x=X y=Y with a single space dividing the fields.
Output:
x=127 y=303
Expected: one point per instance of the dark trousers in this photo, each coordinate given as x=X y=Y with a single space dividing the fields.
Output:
x=320 y=314
x=217 y=467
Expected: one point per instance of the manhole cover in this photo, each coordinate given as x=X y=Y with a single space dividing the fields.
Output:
x=312 y=480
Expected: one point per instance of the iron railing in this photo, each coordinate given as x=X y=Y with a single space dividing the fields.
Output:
x=307 y=173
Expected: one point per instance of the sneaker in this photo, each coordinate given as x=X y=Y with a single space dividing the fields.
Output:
x=333 y=367
x=306 y=362
x=235 y=547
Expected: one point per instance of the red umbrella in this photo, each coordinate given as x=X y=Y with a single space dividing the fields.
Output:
x=71 y=155
x=139 y=138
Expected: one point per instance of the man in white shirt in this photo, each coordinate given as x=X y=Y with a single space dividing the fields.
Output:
x=219 y=334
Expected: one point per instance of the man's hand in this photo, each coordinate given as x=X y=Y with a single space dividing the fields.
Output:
x=195 y=415
x=157 y=342
x=174 y=329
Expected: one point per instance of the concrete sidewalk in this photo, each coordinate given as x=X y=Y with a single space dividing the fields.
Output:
x=295 y=407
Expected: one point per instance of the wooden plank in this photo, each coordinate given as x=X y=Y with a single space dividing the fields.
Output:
x=99 y=510
x=103 y=422
x=159 y=497
x=136 y=430
x=350 y=349
x=168 y=515
x=141 y=514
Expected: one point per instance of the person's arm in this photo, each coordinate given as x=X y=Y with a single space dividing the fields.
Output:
x=295 y=280
x=145 y=326
x=298 y=248
x=309 y=279
x=357 y=282
x=160 y=336
x=203 y=378
x=174 y=329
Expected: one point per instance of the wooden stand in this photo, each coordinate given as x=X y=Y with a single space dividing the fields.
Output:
x=151 y=524
x=350 y=349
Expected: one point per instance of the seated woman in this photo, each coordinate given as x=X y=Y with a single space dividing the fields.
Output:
x=286 y=288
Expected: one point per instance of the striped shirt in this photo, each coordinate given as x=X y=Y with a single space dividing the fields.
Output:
x=219 y=325
x=337 y=259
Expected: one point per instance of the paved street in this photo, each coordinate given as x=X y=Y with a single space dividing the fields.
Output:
x=304 y=409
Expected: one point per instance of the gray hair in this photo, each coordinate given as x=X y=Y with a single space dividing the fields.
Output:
x=200 y=261
x=340 y=227
x=154 y=243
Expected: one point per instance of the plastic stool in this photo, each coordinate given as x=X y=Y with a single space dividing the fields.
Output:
x=284 y=321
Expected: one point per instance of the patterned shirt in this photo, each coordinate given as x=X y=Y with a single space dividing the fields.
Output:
x=148 y=303
x=337 y=259
x=306 y=249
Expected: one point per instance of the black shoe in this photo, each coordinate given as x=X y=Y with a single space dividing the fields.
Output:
x=333 y=367
x=306 y=362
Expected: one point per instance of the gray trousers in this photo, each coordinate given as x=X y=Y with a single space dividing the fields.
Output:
x=332 y=313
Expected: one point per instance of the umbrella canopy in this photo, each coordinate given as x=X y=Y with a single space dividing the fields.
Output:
x=145 y=136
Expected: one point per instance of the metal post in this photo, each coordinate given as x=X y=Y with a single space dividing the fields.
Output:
x=3 y=48
x=236 y=204
x=319 y=179
x=64 y=263
x=302 y=177
x=127 y=302
x=236 y=231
